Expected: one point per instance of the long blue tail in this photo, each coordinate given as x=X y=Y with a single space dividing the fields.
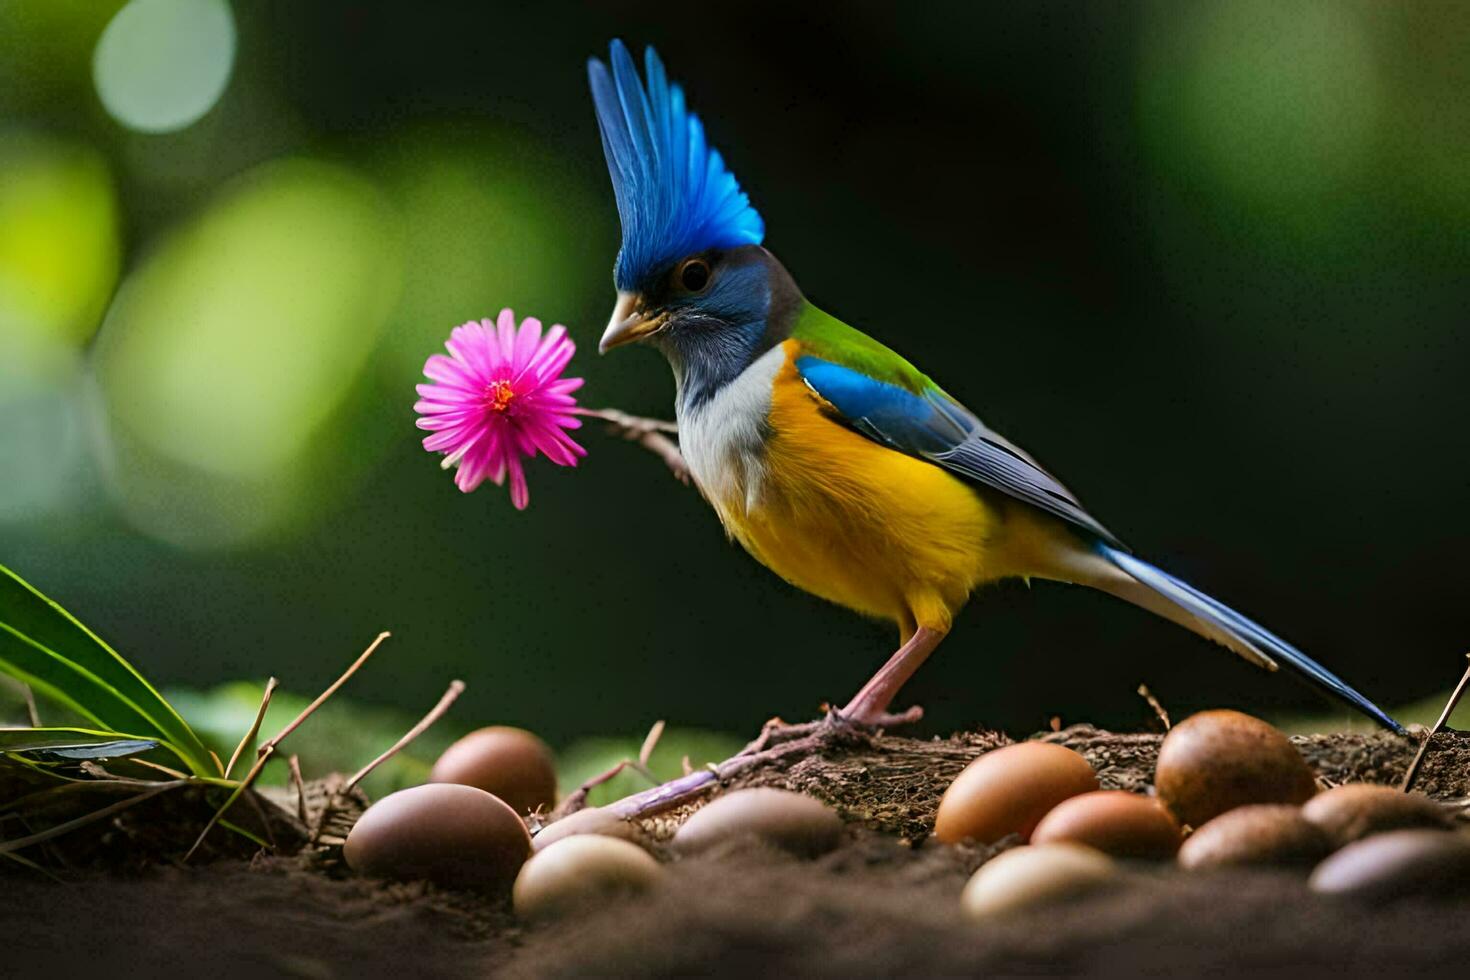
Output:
x=1223 y=624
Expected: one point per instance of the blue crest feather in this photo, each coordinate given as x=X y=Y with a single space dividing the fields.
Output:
x=674 y=195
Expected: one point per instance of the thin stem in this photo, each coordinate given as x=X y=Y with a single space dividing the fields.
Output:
x=265 y=702
x=171 y=773
x=650 y=741
x=26 y=862
x=455 y=689
x=651 y=434
x=577 y=798
x=1444 y=715
x=41 y=796
x=270 y=833
x=31 y=711
x=294 y=765
x=795 y=741
x=21 y=843
x=263 y=754
x=1153 y=702
x=625 y=421
x=244 y=784
x=307 y=711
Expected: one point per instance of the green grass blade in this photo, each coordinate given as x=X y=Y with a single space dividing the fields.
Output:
x=71 y=744
x=44 y=646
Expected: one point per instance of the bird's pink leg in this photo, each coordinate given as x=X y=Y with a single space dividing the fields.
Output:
x=870 y=705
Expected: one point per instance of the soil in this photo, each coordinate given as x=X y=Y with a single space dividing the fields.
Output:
x=884 y=903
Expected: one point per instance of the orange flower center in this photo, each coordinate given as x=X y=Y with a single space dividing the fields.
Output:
x=499 y=395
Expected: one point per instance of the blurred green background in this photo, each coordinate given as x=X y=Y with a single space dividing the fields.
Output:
x=1208 y=261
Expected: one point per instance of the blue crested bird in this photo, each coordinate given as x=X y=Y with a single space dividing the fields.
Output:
x=835 y=462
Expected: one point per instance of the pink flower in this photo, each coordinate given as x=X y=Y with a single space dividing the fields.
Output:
x=500 y=396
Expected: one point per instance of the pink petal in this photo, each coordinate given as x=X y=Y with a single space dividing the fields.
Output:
x=468 y=478
x=448 y=371
x=443 y=441
x=555 y=361
x=549 y=344
x=495 y=455
x=467 y=345
x=523 y=442
x=506 y=329
x=527 y=341
x=520 y=494
x=443 y=392
x=546 y=440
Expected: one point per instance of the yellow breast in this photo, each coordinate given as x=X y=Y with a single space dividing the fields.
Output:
x=860 y=524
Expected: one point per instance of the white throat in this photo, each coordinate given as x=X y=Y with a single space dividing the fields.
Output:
x=722 y=437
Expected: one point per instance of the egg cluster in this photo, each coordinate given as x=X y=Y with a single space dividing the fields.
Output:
x=466 y=829
x=1229 y=791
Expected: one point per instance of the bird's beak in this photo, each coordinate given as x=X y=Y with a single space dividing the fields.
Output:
x=626 y=324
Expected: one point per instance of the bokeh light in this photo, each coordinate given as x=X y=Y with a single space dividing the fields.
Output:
x=1232 y=226
x=46 y=51
x=489 y=221
x=161 y=64
x=59 y=251
x=1277 y=104
x=282 y=285
x=42 y=444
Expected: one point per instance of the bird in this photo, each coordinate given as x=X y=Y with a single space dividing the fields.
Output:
x=831 y=459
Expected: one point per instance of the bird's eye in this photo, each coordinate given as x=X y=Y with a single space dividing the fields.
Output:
x=694 y=275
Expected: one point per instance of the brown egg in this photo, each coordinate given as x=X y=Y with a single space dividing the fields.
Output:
x=509 y=762
x=1354 y=811
x=589 y=820
x=581 y=871
x=1008 y=791
x=456 y=836
x=792 y=821
x=1398 y=863
x=1026 y=877
x=1270 y=834
x=1124 y=825
x=1218 y=760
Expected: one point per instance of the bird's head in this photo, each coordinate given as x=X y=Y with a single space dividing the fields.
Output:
x=691 y=275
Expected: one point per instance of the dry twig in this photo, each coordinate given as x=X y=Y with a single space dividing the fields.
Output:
x=1443 y=717
x=1153 y=702
x=777 y=742
x=651 y=434
x=293 y=763
x=154 y=789
x=263 y=754
x=437 y=712
x=577 y=798
x=650 y=741
x=265 y=702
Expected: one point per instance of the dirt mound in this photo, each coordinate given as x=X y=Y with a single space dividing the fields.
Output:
x=886 y=902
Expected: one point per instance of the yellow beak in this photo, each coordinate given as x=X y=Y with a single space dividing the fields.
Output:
x=626 y=324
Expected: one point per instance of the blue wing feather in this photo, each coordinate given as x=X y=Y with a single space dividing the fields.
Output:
x=935 y=427
x=930 y=425
x=674 y=195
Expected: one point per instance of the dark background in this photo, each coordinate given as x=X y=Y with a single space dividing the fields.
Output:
x=1207 y=262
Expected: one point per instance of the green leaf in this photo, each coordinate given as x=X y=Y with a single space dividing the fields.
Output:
x=44 y=646
x=71 y=744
